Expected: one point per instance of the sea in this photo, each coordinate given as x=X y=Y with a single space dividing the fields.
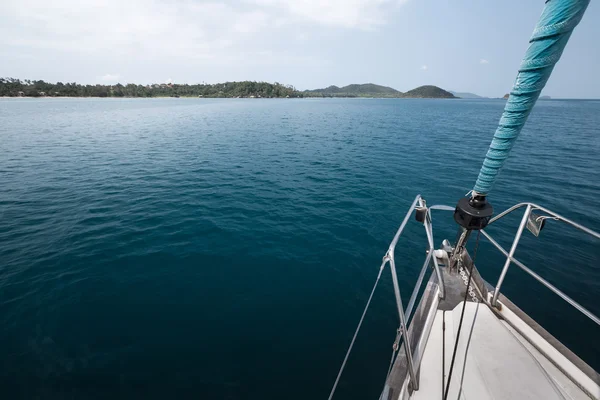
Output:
x=225 y=248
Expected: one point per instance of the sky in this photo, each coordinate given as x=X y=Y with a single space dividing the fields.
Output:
x=461 y=45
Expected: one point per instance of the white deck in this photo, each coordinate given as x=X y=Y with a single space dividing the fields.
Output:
x=500 y=363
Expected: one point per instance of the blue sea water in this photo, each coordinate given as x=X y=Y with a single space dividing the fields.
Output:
x=224 y=249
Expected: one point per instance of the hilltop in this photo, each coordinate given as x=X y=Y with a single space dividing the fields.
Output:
x=372 y=90
x=429 y=92
x=355 y=90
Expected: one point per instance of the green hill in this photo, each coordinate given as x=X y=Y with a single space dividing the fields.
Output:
x=355 y=90
x=372 y=90
x=429 y=92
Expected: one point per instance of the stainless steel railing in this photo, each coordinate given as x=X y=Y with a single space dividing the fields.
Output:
x=529 y=208
x=418 y=202
x=425 y=212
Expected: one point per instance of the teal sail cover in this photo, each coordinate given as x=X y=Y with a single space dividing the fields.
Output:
x=547 y=43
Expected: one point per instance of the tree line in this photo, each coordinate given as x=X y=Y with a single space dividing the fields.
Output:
x=12 y=87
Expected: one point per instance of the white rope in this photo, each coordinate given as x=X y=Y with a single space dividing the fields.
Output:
x=357 y=329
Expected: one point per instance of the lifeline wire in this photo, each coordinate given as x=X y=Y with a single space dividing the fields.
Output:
x=356 y=332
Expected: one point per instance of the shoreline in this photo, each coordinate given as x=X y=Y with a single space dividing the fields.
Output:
x=228 y=98
x=140 y=97
x=271 y=98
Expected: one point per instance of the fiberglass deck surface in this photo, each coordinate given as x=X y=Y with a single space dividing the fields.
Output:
x=492 y=361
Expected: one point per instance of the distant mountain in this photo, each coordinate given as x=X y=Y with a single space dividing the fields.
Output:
x=372 y=90
x=355 y=90
x=429 y=92
x=467 y=95
x=540 y=98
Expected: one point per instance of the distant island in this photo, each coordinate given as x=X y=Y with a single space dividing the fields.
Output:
x=11 y=87
x=16 y=88
x=372 y=90
x=467 y=95
x=540 y=98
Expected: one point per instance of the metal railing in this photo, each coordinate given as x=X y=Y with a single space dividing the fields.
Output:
x=418 y=203
x=529 y=208
x=424 y=215
x=424 y=212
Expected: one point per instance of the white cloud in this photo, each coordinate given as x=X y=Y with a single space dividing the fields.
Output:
x=146 y=27
x=424 y=68
x=302 y=36
x=134 y=28
x=110 y=77
x=362 y=14
x=483 y=61
x=253 y=21
x=158 y=36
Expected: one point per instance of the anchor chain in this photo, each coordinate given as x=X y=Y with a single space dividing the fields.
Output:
x=465 y=279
